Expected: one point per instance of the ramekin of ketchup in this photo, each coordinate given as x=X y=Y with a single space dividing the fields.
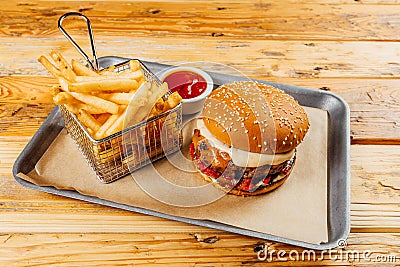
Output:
x=192 y=84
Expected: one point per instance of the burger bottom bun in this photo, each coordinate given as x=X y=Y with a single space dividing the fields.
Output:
x=238 y=192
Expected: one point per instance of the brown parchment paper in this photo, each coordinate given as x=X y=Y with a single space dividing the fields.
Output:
x=296 y=210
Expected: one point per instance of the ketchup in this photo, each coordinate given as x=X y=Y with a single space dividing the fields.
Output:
x=188 y=84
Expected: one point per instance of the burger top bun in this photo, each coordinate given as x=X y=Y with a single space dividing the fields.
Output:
x=255 y=117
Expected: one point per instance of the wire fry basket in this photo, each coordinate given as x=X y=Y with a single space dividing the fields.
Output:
x=132 y=148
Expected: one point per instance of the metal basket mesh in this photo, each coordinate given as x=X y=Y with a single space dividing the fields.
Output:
x=121 y=153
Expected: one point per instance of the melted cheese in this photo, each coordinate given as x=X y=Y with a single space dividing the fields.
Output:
x=240 y=157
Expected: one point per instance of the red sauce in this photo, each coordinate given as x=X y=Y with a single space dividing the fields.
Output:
x=188 y=84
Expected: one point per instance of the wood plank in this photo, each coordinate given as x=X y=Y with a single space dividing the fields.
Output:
x=314 y=20
x=374 y=108
x=374 y=194
x=261 y=58
x=25 y=102
x=375 y=188
x=374 y=104
x=373 y=170
x=184 y=249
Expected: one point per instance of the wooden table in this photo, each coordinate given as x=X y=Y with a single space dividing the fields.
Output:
x=350 y=48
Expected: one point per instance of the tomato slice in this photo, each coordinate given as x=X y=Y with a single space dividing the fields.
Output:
x=192 y=151
x=210 y=172
x=267 y=180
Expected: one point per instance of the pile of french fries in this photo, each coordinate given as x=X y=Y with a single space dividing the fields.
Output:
x=106 y=102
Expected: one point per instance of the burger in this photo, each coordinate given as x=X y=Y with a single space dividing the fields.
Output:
x=245 y=142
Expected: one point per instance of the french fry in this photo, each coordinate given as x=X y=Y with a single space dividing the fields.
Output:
x=105 y=84
x=86 y=119
x=142 y=81
x=158 y=108
x=89 y=108
x=63 y=98
x=118 y=98
x=64 y=85
x=55 y=89
x=159 y=105
x=106 y=106
x=102 y=118
x=63 y=66
x=134 y=65
x=75 y=107
x=50 y=67
x=173 y=100
x=83 y=79
x=117 y=125
x=135 y=75
x=108 y=70
x=90 y=131
x=102 y=78
x=82 y=70
x=101 y=133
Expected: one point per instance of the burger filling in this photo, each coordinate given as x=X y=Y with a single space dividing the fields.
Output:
x=218 y=165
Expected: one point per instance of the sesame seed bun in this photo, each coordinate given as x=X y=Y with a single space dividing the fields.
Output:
x=255 y=117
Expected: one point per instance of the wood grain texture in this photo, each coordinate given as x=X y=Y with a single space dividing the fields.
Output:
x=374 y=196
x=189 y=249
x=252 y=57
x=279 y=20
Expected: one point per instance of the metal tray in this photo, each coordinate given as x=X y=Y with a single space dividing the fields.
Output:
x=338 y=161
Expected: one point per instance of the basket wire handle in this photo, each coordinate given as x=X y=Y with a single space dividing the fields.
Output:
x=94 y=66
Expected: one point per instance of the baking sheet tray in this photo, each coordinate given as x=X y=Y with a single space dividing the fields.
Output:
x=338 y=165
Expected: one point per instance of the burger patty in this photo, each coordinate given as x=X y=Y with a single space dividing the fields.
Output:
x=219 y=165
